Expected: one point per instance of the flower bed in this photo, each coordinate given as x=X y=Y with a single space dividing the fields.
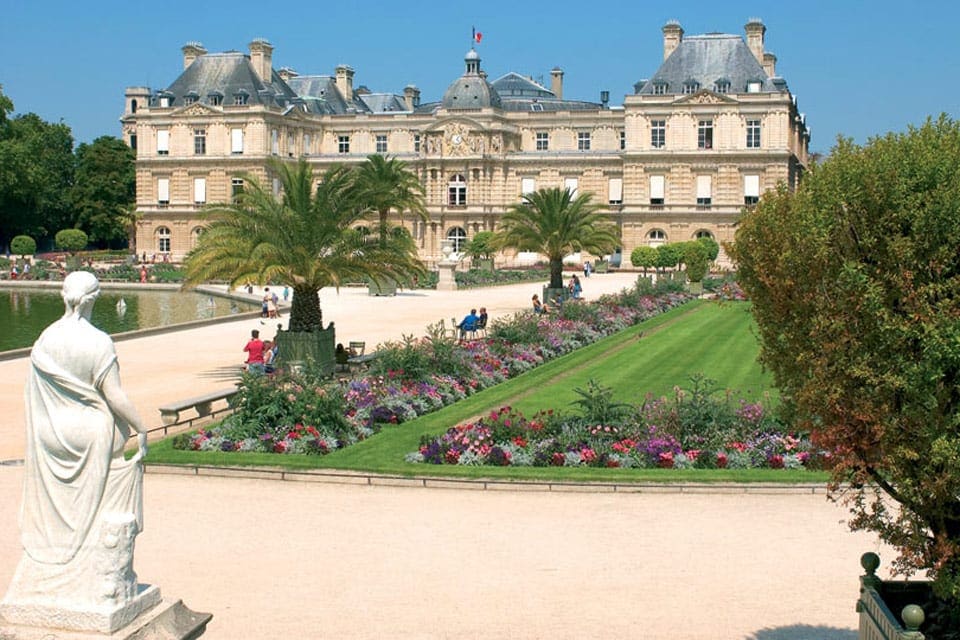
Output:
x=695 y=429
x=307 y=414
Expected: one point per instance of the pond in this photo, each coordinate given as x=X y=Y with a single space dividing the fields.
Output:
x=25 y=313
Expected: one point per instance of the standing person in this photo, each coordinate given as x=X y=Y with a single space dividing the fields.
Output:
x=143 y=274
x=286 y=293
x=575 y=287
x=254 y=350
x=587 y=268
x=265 y=303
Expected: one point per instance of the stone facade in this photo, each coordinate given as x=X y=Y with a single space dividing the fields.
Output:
x=679 y=158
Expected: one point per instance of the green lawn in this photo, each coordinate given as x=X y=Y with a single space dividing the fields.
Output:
x=716 y=340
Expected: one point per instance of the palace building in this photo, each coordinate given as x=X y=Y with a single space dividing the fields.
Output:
x=710 y=131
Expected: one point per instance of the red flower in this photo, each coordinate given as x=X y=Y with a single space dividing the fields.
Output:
x=665 y=460
x=280 y=447
x=519 y=441
x=557 y=459
x=721 y=460
x=452 y=456
x=776 y=461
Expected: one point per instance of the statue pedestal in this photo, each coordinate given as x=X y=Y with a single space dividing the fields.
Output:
x=167 y=620
x=447 y=281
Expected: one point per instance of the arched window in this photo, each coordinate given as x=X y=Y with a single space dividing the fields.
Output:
x=133 y=106
x=703 y=233
x=656 y=238
x=195 y=234
x=459 y=238
x=163 y=239
x=457 y=190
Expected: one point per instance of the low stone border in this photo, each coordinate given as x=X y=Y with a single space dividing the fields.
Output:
x=428 y=482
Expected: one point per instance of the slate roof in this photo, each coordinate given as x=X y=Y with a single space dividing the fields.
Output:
x=514 y=84
x=471 y=90
x=228 y=74
x=705 y=59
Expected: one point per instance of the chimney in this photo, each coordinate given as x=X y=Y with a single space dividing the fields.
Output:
x=770 y=65
x=556 y=82
x=345 y=82
x=755 y=31
x=192 y=51
x=286 y=73
x=605 y=99
x=261 y=57
x=672 y=37
x=411 y=96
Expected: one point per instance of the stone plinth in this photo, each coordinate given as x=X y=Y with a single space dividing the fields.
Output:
x=167 y=620
x=447 y=281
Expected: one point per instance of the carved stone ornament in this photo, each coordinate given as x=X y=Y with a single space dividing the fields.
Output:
x=705 y=97
x=196 y=109
x=455 y=141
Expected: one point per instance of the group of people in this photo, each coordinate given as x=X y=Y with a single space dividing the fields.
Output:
x=261 y=354
x=473 y=322
x=574 y=291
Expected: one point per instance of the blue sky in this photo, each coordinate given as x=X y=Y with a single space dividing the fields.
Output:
x=859 y=69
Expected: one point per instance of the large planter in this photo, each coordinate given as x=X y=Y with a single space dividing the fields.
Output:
x=695 y=288
x=878 y=600
x=483 y=263
x=553 y=296
x=382 y=287
x=317 y=347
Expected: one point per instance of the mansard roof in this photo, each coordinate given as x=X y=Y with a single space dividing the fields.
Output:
x=514 y=84
x=228 y=74
x=705 y=59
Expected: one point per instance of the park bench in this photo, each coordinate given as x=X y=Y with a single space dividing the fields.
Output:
x=362 y=359
x=202 y=404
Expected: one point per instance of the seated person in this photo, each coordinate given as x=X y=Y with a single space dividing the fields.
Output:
x=539 y=307
x=341 y=355
x=482 y=318
x=468 y=324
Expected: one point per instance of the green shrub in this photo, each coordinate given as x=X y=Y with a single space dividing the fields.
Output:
x=71 y=240
x=23 y=246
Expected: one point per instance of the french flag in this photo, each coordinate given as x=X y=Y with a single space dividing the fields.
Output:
x=477 y=36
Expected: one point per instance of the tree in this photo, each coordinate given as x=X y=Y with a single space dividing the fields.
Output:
x=696 y=259
x=36 y=171
x=386 y=184
x=23 y=246
x=712 y=247
x=855 y=283
x=481 y=246
x=555 y=223
x=668 y=256
x=104 y=190
x=71 y=240
x=306 y=238
x=644 y=256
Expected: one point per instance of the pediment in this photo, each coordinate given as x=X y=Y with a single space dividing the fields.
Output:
x=705 y=96
x=196 y=109
x=458 y=122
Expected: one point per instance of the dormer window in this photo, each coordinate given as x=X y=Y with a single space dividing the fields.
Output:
x=753 y=86
x=722 y=86
x=241 y=97
x=691 y=86
x=165 y=100
x=536 y=106
x=190 y=98
x=660 y=88
x=215 y=99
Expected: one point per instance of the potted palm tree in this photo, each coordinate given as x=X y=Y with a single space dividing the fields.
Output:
x=387 y=184
x=305 y=237
x=556 y=223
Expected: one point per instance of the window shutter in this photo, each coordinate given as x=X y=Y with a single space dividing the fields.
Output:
x=656 y=187
x=751 y=186
x=163 y=140
x=616 y=190
x=236 y=141
x=528 y=185
x=163 y=189
x=200 y=190
x=571 y=186
x=703 y=186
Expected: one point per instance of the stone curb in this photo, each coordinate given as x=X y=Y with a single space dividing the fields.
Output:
x=430 y=482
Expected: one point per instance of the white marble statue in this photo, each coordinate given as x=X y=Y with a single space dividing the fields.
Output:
x=82 y=501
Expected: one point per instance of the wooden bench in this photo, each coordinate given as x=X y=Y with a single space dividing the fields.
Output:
x=362 y=359
x=170 y=413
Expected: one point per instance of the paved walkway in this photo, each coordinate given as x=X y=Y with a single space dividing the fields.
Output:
x=279 y=560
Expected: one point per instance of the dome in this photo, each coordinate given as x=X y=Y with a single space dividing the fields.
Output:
x=471 y=90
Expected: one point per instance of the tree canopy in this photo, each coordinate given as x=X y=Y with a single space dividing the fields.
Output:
x=386 y=183
x=104 y=190
x=555 y=223
x=306 y=238
x=855 y=284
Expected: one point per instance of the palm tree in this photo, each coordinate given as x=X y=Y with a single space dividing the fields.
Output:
x=387 y=183
x=555 y=223
x=306 y=237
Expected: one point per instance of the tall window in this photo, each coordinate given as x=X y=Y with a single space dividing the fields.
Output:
x=163 y=191
x=583 y=141
x=459 y=238
x=199 y=190
x=527 y=185
x=306 y=144
x=751 y=190
x=236 y=188
x=416 y=143
x=163 y=142
x=572 y=185
x=195 y=234
x=543 y=141
x=658 y=134
x=275 y=142
x=457 y=191
x=705 y=134
x=199 y=142
x=753 y=134
x=236 y=141
x=133 y=141
x=704 y=188
x=163 y=239
x=616 y=191
x=656 y=190
x=343 y=144
x=623 y=140
x=381 y=144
